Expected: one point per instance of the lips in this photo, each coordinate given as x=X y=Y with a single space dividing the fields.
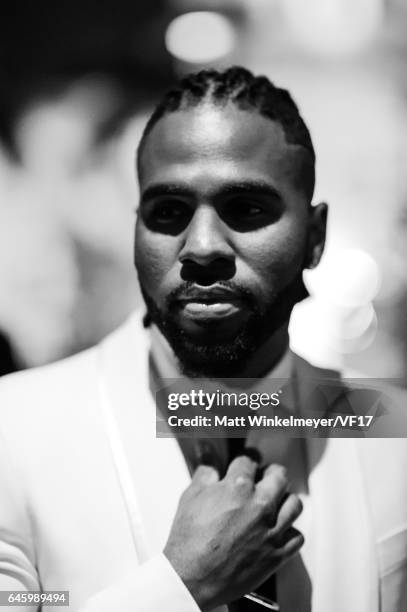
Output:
x=208 y=294
x=210 y=310
x=209 y=304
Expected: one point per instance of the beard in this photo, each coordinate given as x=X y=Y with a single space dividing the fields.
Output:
x=224 y=358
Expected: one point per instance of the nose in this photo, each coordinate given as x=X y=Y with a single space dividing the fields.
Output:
x=206 y=255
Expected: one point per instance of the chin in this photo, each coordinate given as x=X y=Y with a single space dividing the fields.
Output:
x=225 y=360
x=211 y=354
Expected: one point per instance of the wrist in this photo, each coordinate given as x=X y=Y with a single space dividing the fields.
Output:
x=197 y=587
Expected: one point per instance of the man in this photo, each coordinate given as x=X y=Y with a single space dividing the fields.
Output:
x=224 y=230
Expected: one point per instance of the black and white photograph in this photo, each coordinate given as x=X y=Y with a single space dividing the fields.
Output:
x=203 y=284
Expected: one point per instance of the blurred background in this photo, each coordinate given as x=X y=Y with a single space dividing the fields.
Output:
x=77 y=82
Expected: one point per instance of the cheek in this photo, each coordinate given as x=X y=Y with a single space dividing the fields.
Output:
x=154 y=256
x=274 y=254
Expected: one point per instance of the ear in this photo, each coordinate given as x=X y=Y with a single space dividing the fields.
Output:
x=316 y=234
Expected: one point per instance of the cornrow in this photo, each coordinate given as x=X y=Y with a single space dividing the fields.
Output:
x=248 y=92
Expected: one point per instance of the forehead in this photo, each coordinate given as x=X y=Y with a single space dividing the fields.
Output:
x=219 y=143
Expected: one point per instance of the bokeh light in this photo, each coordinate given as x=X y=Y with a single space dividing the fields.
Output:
x=339 y=318
x=200 y=37
x=356 y=321
x=348 y=277
x=333 y=27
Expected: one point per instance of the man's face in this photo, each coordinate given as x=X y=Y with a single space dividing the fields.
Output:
x=222 y=235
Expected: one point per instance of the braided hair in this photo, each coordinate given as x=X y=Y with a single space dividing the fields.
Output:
x=238 y=86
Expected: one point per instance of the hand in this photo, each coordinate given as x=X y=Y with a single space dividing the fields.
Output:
x=230 y=535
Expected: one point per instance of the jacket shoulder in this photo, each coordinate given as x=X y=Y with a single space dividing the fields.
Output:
x=29 y=394
x=66 y=390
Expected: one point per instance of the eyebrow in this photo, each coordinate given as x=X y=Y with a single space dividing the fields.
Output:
x=160 y=189
x=231 y=188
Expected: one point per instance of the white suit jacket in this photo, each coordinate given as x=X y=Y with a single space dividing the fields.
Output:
x=64 y=523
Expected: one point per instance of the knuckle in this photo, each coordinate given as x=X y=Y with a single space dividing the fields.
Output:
x=204 y=475
x=203 y=470
x=240 y=461
x=243 y=483
x=246 y=464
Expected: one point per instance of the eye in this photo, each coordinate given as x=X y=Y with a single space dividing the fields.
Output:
x=248 y=209
x=168 y=212
x=244 y=210
x=246 y=214
x=242 y=207
x=168 y=216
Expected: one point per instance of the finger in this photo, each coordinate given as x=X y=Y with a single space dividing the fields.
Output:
x=291 y=542
x=272 y=488
x=242 y=470
x=288 y=512
x=274 y=467
x=204 y=476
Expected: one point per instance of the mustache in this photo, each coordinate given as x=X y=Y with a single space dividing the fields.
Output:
x=189 y=290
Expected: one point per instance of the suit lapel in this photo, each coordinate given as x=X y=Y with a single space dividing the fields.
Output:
x=157 y=465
